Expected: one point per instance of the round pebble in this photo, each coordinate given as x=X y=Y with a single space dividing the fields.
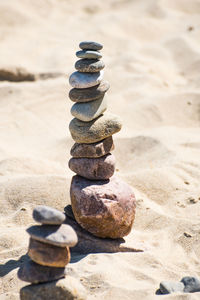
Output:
x=85 y=80
x=89 y=65
x=90 y=45
x=48 y=215
x=89 y=94
x=88 y=54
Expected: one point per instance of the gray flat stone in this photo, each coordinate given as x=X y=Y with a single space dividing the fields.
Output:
x=60 y=236
x=89 y=65
x=89 y=54
x=89 y=111
x=89 y=94
x=191 y=284
x=168 y=287
x=90 y=45
x=34 y=273
x=95 y=130
x=48 y=215
x=85 y=80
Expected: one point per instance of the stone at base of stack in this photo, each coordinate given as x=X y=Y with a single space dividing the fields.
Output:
x=102 y=204
x=49 y=254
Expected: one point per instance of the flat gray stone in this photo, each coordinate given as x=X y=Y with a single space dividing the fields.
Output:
x=34 y=273
x=93 y=150
x=191 y=284
x=168 y=287
x=95 y=130
x=85 y=80
x=89 y=94
x=48 y=215
x=89 y=111
x=60 y=236
x=90 y=45
x=89 y=54
x=89 y=65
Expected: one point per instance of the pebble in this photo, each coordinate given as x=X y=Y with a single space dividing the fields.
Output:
x=105 y=208
x=168 y=287
x=48 y=215
x=34 y=273
x=89 y=94
x=93 y=150
x=96 y=130
x=61 y=236
x=48 y=255
x=89 y=54
x=89 y=65
x=94 y=168
x=89 y=111
x=63 y=289
x=192 y=284
x=85 y=80
x=90 y=45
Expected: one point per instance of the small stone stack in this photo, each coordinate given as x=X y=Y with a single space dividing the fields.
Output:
x=102 y=204
x=49 y=252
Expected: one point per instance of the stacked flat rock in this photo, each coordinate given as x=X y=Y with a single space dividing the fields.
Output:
x=102 y=204
x=48 y=249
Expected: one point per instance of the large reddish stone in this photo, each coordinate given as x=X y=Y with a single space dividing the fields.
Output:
x=94 y=168
x=106 y=208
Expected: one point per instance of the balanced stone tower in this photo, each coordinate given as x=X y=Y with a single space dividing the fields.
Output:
x=102 y=203
x=49 y=254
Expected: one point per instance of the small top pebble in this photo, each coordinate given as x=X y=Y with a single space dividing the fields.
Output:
x=48 y=215
x=90 y=45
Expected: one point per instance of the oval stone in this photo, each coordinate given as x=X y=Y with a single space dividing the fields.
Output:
x=48 y=255
x=89 y=54
x=61 y=236
x=105 y=208
x=35 y=273
x=89 y=94
x=89 y=111
x=100 y=168
x=95 y=130
x=93 y=150
x=48 y=215
x=89 y=65
x=90 y=45
x=85 y=80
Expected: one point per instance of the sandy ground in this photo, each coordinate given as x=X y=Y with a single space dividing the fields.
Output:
x=152 y=56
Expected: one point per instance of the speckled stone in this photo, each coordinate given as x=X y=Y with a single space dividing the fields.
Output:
x=48 y=215
x=93 y=150
x=85 y=80
x=89 y=65
x=61 y=236
x=89 y=54
x=89 y=111
x=100 y=168
x=105 y=208
x=191 y=284
x=89 y=94
x=90 y=45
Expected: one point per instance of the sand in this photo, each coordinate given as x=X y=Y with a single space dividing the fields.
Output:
x=152 y=57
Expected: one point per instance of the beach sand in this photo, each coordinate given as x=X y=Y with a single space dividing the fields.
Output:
x=152 y=56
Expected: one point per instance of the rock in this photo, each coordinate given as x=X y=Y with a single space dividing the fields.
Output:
x=48 y=255
x=105 y=208
x=16 y=74
x=90 y=45
x=100 y=168
x=89 y=65
x=95 y=130
x=64 y=289
x=90 y=54
x=85 y=80
x=93 y=150
x=89 y=111
x=61 y=236
x=191 y=284
x=89 y=94
x=168 y=287
x=34 y=273
x=48 y=215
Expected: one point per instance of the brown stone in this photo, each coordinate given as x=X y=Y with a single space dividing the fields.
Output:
x=48 y=255
x=94 y=168
x=104 y=208
x=93 y=150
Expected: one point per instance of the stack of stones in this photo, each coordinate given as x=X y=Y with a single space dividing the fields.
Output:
x=102 y=203
x=48 y=249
